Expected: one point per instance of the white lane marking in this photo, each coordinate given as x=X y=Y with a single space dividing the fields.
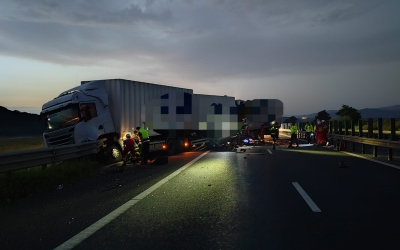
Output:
x=366 y=158
x=307 y=198
x=269 y=151
x=71 y=243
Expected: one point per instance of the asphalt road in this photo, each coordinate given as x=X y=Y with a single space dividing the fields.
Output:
x=259 y=199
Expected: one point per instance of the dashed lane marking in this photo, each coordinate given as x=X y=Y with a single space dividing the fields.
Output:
x=307 y=198
x=77 y=239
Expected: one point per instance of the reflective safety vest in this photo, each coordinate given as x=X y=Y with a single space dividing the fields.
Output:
x=309 y=128
x=273 y=130
x=144 y=133
x=293 y=129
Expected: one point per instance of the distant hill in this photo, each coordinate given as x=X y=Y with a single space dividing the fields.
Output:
x=374 y=113
x=16 y=124
x=393 y=108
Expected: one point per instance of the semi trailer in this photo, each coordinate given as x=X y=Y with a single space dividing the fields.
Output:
x=175 y=118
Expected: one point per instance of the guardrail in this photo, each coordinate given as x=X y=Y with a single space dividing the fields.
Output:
x=368 y=141
x=345 y=131
x=38 y=157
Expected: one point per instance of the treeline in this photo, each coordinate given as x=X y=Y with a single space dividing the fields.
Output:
x=16 y=124
x=347 y=113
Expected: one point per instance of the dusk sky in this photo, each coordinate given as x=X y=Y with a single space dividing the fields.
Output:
x=310 y=54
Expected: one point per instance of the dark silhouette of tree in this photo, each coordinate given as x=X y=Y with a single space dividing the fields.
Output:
x=347 y=111
x=290 y=119
x=323 y=115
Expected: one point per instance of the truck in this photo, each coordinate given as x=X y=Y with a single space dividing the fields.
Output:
x=176 y=118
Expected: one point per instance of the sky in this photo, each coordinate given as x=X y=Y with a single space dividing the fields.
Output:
x=310 y=54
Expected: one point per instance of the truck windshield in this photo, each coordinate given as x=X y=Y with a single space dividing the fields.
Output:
x=63 y=118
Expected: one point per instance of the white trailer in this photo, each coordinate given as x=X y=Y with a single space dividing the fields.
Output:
x=99 y=109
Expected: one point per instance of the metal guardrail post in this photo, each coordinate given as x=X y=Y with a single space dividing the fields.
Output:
x=353 y=133
x=353 y=128
x=393 y=129
x=370 y=128
x=371 y=135
x=392 y=136
x=380 y=128
x=360 y=134
x=335 y=126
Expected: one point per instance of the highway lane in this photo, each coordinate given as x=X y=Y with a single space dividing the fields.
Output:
x=252 y=203
x=47 y=220
x=226 y=201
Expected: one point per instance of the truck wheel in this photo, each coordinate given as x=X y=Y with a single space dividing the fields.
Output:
x=114 y=154
x=171 y=146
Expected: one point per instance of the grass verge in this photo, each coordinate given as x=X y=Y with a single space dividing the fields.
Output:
x=28 y=182
x=19 y=144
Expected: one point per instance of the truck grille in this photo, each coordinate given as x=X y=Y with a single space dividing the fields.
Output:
x=60 y=137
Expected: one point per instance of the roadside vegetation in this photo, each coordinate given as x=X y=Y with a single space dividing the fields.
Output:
x=28 y=182
x=20 y=144
x=385 y=124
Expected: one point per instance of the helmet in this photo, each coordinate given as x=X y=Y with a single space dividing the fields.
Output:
x=128 y=136
x=273 y=122
x=262 y=124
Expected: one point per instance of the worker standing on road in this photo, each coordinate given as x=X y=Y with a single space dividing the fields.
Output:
x=317 y=131
x=324 y=133
x=129 y=146
x=293 y=135
x=245 y=127
x=277 y=127
x=262 y=133
x=273 y=131
x=320 y=131
x=309 y=129
x=144 y=137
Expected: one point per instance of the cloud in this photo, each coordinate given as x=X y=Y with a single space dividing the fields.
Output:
x=207 y=40
x=75 y=12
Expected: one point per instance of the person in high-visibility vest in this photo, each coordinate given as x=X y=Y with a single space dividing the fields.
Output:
x=274 y=133
x=293 y=135
x=309 y=129
x=145 y=139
